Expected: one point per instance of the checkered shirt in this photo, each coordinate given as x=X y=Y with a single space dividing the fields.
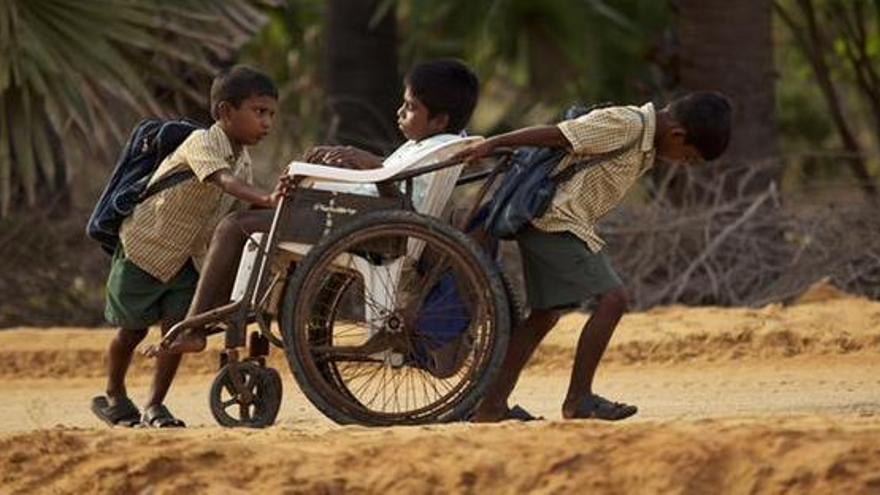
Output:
x=176 y=224
x=584 y=199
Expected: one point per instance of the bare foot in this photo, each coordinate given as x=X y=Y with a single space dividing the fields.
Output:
x=189 y=341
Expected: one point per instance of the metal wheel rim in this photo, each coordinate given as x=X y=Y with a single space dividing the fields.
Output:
x=345 y=398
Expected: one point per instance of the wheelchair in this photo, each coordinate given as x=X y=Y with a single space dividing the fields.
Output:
x=388 y=315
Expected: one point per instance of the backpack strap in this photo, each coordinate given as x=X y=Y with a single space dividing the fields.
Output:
x=165 y=183
x=169 y=136
x=573 y=169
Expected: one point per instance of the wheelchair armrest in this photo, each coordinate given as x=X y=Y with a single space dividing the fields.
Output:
x=413 y=166
x=337 y=174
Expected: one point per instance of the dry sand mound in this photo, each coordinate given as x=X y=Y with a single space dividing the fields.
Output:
x=783 y=456
x=821 y=291
x=678 y=334
x=663 y=335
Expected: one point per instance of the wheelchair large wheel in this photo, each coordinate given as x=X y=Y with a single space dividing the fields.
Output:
x=396 y=318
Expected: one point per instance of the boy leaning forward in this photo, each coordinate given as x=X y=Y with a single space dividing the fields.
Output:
x=563 y=258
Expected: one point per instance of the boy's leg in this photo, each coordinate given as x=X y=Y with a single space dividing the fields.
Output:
x=119 y=354
x=132 y=304
x=561 y=272
x=221 y=262
x=218 y=273
x=166 y=369
x=523 y=342
x=591 y=346
x=155 y=413
x=174 y=304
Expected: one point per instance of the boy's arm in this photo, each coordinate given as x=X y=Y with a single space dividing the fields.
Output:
x=231 y=184
x=548 y=136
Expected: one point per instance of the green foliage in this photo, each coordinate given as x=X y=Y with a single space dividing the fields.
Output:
x=840 y=39
x=74 y=66
x=801 y=117
x=289 y=48
x=532 y=57
x=533 y=54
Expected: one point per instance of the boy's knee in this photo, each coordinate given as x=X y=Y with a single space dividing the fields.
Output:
x=240 y=224
x=229 y=226
x=616 y=300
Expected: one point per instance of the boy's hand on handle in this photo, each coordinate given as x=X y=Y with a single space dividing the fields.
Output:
x=283 y=187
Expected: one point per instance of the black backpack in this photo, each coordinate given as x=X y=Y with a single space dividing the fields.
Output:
x=151 y=141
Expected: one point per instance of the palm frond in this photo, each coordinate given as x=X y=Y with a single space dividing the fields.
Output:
x=62 y=61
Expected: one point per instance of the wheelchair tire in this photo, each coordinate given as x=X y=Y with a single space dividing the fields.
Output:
x=260 y=411
x=316 y=308
x=515 y=306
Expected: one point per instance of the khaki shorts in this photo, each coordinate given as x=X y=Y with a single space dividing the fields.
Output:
x=560 y=270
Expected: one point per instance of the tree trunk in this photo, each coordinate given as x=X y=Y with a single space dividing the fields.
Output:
x=727 y=46
x=363 y=83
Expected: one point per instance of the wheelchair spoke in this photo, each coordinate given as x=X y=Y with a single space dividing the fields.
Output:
x=395 y=339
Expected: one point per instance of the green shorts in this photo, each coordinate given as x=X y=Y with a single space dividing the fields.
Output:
x=136 y=299
x=560 y=270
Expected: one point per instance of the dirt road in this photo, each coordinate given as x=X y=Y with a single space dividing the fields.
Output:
x=770 y=400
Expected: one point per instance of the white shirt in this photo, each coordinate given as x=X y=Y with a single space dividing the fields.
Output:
x=408 y=151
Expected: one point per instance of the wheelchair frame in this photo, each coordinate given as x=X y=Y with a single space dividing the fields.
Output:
x=233 y=318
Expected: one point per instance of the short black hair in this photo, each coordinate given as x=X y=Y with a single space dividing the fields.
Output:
x=706 y=117
x=239 y=83
x=445 y=86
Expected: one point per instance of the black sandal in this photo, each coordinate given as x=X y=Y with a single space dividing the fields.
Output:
x=518 y=413
x=515 y=413
x=158 y=416
x=597 y=407
x=122 y=412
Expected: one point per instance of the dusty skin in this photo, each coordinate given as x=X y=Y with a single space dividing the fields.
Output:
x=769 y=400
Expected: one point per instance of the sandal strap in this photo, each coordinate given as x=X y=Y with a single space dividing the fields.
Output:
x=123 y=407
x=122 y=412
x=596 y=406
x=159 y=416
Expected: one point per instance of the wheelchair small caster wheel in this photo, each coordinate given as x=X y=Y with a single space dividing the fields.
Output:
x=245 y=394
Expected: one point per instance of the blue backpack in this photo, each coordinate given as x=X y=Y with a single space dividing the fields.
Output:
x=151 y=141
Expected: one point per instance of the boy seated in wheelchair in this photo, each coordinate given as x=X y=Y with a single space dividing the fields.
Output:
x=438 y=100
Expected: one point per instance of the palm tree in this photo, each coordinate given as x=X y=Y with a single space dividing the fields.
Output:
x=70 y=69
x=727 y=46
x=362 y=79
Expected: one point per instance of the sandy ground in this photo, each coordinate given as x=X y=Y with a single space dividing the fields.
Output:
x=770 y=400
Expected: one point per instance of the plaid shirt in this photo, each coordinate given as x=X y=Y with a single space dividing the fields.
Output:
x=584 y=199
x=176 y=224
